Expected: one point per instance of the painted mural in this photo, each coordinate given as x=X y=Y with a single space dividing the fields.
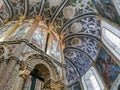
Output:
x=55 y=47
x=71 y=74
x=39 y=38
x=22 y=30
x=6 y=27
x=107 y=67
x=80 y=60
x=107 y=9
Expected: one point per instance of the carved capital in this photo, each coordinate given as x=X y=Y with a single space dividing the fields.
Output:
x=54 y=85
x=24 y=73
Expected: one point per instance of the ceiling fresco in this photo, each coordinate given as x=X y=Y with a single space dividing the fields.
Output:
x=74 y=20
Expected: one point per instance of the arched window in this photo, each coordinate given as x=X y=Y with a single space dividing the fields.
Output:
x=91 y=80
x=94 y=82
x=111 y=38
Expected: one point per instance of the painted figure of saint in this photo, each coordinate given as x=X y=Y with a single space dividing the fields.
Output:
x=54 y=49
x=38 y=37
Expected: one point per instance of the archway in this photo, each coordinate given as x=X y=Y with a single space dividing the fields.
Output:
x=37 y=78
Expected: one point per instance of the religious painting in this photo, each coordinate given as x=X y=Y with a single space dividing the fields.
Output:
x=7 y=27
x=55 y=47
x=39 y=38
x=107 y=9
x=107 y=67
x=22 y=30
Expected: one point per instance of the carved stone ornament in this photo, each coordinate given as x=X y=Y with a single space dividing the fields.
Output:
x=69 y=12
x=23 y=70
x=24 y=73
x=22 y=66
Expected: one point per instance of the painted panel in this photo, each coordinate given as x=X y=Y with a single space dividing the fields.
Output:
x=54 y=49
x=6 y=27
x=22 y=30
x=39 y=38
x=107 y=9
x=107 y=67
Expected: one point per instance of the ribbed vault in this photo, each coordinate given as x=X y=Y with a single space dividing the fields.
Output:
x=74 y=20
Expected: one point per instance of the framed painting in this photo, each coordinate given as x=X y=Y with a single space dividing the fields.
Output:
x=39 y=38
x=22 y=30
x=6 y=30
x=107 y=67
x=107 y=9
x=54 y=47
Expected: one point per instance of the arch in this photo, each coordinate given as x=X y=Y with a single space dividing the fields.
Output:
x=35 y=59
x=42 y=71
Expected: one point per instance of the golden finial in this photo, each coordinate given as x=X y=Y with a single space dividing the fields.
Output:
x=6 y=20
x=38 y=17
x=21 y=19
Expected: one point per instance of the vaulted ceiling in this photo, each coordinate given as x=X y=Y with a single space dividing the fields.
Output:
x=74 y=20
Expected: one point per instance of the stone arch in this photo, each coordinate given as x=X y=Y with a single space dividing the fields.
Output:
x=43 y=72
x=34 y=61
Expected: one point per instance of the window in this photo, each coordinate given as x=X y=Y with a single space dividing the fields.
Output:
x=112 y=37
x=94 y=82
x=91 y=80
